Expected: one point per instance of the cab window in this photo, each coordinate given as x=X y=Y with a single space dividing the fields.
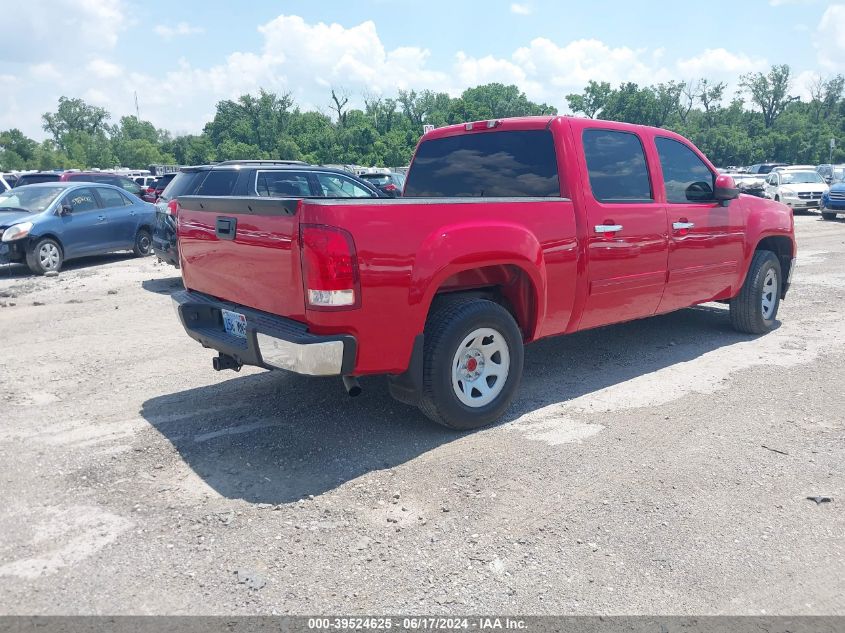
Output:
x=686 y=177
x=617 y=167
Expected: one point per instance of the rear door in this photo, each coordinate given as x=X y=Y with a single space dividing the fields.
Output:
x=627 y=242
x=85 y=229
x=705 y=239
x=121 y=217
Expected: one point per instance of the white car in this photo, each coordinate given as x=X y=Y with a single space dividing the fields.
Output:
x=799 y=189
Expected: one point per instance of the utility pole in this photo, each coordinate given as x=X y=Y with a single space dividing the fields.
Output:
x=832 y=145
x=137 y=110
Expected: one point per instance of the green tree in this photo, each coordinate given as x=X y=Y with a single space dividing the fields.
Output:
x=592 y=101
x=769 y=92
x=74 y=117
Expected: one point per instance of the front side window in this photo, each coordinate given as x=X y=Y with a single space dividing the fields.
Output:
x=81 y=200
x=281 y=184
x=685 y=175
x=220 y=182
x=512 y=164
x=112 y=198
x=617 y=167
x=337 y=186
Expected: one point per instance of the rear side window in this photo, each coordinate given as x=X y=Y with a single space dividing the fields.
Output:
x=219 y=182
x=31 y=179
x=685 y=175
x=112 y=198
x=183 y=184
x=278 y=184
x=515 y=164
x=617 y=167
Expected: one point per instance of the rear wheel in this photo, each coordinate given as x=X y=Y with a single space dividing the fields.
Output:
x=143 y=243
x=754 y=310
x=45 y=256
x=472 y=363
x=827 y=215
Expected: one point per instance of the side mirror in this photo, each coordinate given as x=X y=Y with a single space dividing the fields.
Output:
x=725 y=190
x=65 y=209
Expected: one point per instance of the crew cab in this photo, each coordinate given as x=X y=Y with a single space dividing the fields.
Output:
x=509 y=231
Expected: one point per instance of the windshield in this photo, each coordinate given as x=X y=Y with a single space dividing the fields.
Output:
x=839 y=174
x=800 y=177
x=32 y=199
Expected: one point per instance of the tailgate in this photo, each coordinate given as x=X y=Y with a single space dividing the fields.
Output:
x=243 y=250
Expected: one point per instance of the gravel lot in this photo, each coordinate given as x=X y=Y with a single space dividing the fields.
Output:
x=658 y=467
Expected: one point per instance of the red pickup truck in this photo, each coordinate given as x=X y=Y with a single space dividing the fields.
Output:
x=509 y=231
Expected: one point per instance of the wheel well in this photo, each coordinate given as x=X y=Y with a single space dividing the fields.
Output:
x=507 y=285
x=781 y=246
x=34 y=240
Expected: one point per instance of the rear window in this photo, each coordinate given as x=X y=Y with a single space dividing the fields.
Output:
x=31 y=179
x=517 y=164
x=183 y=184
x=377 y=180
x=219 y=183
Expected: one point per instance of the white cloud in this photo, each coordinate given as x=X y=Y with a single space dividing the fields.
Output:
x=714 y=61
x=104 y=69
x=521 y=9
x=182 y=28
x=830 y=38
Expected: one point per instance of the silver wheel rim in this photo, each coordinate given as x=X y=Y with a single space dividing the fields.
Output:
x=48 y=256
x=144 y=244
x=480 y=367
x=770 y=293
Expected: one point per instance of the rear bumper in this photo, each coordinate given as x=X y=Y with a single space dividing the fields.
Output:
x=271 y=342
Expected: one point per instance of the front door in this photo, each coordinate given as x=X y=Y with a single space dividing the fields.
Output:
x=705 y=239
x=627 y=241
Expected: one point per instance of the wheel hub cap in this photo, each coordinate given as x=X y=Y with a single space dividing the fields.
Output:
x=480 y=367
x=770 y=290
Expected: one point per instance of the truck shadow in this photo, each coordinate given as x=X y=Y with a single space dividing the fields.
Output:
x=273 y=437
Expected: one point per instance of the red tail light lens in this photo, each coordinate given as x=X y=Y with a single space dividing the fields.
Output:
x=173 y=208
x=329 y=268
x=390 y=187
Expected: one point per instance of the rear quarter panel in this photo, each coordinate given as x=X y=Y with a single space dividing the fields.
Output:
x=407 y=248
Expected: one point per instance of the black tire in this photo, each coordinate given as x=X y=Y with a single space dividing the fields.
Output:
x=747 y=311
x=46 y=255
x=826 y=215
x=143 y=243
x=448 y=325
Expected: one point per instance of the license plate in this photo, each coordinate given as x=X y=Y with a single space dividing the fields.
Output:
x=234 y=323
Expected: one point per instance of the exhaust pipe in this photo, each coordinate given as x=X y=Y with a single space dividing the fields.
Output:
x=223 y=361
x=352 y=386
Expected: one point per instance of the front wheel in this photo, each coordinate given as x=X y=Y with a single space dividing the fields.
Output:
x=472 y=363
x=143 y=243
x=45 y=256
x=827 y=215
x=754 y=310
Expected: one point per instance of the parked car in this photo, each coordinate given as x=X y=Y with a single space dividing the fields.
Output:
x=7 y=181
x=145 y=181
x=105 y=178
x=764 y=168
x=440 y=289
x=286 y=179
x=153 y=192
x=390 y=184
x=831 y=173
x=35 y=177
x=46 y=224
x=752 y=184
x=799 y=189
x=833 y=201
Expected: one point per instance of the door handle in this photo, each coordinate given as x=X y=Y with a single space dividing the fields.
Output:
x=683 y=226
x=608 y=228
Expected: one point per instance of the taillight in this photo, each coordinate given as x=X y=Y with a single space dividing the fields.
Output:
x=329 y=268
x=390 y=187
x=172 y=208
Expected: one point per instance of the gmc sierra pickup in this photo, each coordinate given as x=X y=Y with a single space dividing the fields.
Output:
x=509 y=231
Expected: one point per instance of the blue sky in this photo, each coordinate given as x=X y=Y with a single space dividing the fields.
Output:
x=183 y=57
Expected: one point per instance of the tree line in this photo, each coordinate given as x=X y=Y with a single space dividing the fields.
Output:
x=762 y=121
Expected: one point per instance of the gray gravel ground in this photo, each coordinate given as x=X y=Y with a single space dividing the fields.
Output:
x=630 y=476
